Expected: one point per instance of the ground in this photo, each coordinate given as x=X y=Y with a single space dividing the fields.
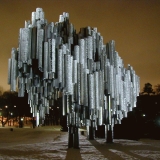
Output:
x=50 y=143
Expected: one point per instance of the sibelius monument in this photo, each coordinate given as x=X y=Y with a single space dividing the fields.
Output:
x=53 y=61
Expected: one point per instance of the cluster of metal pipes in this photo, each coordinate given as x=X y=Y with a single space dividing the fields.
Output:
x=54 y=61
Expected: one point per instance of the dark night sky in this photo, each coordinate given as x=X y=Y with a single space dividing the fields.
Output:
x=133 y=24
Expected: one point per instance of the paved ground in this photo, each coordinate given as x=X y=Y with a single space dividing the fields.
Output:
x=50 y=143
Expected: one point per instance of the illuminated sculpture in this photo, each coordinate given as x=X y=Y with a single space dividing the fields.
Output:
x=54 y=61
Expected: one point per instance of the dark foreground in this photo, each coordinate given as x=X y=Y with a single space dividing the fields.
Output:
x=50 y=143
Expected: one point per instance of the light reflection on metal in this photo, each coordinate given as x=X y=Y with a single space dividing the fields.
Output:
x=54 y=61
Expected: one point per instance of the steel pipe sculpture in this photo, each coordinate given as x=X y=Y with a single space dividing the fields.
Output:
x=54 y=61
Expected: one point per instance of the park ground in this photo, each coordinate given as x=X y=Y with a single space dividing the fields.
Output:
x=48 y=142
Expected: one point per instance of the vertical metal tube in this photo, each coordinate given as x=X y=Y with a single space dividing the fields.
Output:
x=74 y=71
x=60 y=65
x=91 y=91
x=53 y=55
x=81 y=84
x=25 y=44
x=39 y=53
x=81 y=51
x=45 y=72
